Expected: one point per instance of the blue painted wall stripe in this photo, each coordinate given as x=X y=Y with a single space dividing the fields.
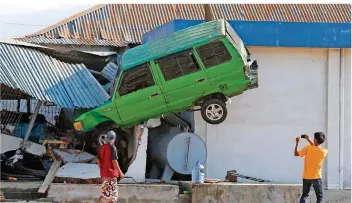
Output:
x=273 y=34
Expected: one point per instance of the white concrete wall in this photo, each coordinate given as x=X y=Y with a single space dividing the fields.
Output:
x=333 y=116
x=337 y=57
x=258 y=137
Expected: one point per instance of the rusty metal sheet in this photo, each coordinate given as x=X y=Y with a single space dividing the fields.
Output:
x=47 y=79
x=122 y=24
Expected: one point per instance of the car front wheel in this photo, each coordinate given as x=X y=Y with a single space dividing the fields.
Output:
x=96 y=139
x=214 y=111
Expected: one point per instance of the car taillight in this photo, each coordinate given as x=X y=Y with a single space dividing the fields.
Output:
x=245 y=71
x=78 y=126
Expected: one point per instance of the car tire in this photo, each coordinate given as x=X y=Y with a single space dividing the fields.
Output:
x=99 y=136
x=214 y=111
x=92 y=141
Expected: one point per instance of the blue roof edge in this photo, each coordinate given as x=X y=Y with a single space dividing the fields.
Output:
x=273 y=34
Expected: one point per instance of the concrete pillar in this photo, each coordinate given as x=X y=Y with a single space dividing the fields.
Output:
x=333 y=105
x=348 y=121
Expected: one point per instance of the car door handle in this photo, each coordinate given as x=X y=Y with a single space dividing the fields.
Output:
x=201 y=80
x=155 y=94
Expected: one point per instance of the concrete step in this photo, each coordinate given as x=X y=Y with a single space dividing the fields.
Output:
x=128 y=193
x=22 y=195
x=21 y=190
x=29 y=201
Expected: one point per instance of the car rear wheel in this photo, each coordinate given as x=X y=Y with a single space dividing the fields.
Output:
x=214 y=111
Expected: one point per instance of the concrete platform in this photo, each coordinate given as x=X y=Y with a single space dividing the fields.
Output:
x=157 y=193
x=128 y=193
x=260 y=193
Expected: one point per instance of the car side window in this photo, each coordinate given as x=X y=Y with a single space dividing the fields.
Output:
x=213 y=54
x=178 y=64
x=135 y=79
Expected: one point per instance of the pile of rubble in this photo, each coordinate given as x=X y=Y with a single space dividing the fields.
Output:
x=37 y=162
x=21 y=165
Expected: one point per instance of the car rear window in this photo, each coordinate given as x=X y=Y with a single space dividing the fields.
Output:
x=213 y=54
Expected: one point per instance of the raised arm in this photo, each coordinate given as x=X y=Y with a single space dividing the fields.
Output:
x=296 y=151
x=301 y=152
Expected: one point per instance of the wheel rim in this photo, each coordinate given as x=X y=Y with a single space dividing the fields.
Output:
x=214 y=112
x=101 y=139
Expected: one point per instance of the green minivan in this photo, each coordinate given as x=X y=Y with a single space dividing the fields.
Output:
x=197 y=68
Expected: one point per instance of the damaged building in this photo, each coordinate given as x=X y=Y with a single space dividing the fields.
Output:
x=38 y=85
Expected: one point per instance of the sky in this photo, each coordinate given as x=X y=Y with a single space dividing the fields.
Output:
x=23 y=17
x=20 y=18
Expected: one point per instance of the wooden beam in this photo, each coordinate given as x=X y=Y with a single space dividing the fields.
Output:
x=208 y=16
x=31 y=123
x=50 y=176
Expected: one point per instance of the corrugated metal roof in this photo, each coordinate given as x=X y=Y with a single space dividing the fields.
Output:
x=109 y=71
x=64 y=41
x=173 y=43
x=48 y=79
x=116 y=23
x=90 y=60
x=20 y=43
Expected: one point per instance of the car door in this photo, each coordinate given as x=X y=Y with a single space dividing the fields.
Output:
x=183 y=80
x=139 y=97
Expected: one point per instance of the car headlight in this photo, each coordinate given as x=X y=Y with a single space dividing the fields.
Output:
x=78 y=126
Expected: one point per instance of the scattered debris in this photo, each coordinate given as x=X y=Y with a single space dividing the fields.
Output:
x=50 y=153
x=12 y=179
x=187 y=192
x=2 y=196
x=73 y=155
x=233 y=175
x=9 y=143
x=62 y=144
x=208 y=180
x=153 y=123
x=78 y=173
x=21 y=165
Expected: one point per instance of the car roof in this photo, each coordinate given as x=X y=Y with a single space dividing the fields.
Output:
x=176 y=42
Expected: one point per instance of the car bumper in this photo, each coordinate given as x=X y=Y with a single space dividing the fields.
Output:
x=253 y=75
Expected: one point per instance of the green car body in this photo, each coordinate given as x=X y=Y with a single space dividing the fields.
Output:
x=176 y=73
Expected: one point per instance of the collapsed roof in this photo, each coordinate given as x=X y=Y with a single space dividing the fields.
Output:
x=48 y=75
